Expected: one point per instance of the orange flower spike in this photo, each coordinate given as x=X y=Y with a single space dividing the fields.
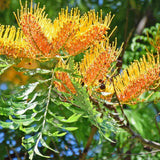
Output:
x=65 y=85
x=66 y=32
x=138 y=78
x=65 y=28
x=34 y=35
x=12 y=43
x=37 y=29
x=97 y=62
x=74 y=34
x=91 y=30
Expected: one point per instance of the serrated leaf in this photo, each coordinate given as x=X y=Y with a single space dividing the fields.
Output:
x=31 y=139
x=27 y=90
x=18 y=105
x=29 y=130
x=10 y=125
x=36 y=150
x=35 y=71
x=71 y=128
x=51 y=121
x=72 y=118
x=46 y=146
x=60 y=118
x=25 y=122
x=6 y=111
x=28 y=107
x=59 y=134
x=55 y=134
x=31 y=154
x=70 y=107
x=51 y=113
x=27 y=146
x=27 y=116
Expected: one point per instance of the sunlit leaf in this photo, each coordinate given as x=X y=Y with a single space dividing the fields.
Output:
x=45 y=145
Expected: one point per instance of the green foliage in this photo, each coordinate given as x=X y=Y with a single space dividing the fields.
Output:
x=5 y=64
x=37 y=110
x=141 y=44
x=41 y=114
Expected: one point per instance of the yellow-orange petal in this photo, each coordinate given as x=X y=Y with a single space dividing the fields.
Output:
x=12 y=43
x=37 y=29
x=97 y=62
x=64 y=83
x=137 y=78
x=66 y=32
x=74 y=33
x=81 y=42
x=34 y=35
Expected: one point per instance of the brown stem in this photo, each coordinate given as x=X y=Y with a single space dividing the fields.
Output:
x=8 y=154
x=56 y=154
x=25 y=156
x=140 y=138
x=121 y=107
x=86 y=149
x=126 y=127
x=17 y=155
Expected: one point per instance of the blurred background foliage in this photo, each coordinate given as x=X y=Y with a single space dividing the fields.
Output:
x=131 y=17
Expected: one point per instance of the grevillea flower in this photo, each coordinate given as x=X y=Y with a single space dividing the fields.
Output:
x=63 y=82
x=97 y=61
x=88 y=29
x=70 y=32
x=138 y=78
x=12 y=43
x=36 y=28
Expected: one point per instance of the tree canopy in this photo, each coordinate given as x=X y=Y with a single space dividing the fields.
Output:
x=80 y=79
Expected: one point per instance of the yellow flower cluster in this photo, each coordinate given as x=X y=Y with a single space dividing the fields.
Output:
x=40 y=38
x=138 y=78
x=70 y=34
x=63 y=82
x=12 y=43
x=97 y=61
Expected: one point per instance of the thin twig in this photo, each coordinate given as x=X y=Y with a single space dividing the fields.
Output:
x=8 y=154
x=134 y=134
x=18 y=157
x=140 y=138
x=141 y=153
x=56 y=154
x=25 y=156
x=86 y=149
x=121 y=107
